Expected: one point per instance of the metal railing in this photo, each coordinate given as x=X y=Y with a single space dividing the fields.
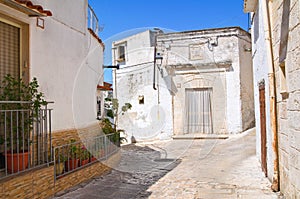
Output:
x=25 y=137
x=93 y=22
x=77 y=154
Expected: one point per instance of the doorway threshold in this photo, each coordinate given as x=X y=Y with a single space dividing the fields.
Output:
x=200 y=136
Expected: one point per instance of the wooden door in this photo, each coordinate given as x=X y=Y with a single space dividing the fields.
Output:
x=263 y=135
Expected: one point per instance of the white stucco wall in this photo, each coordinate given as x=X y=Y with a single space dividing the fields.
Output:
x=67 y=61
x=246 y=88
x=233 y=85
x=139 y=48
x=260 y=72
x=207 y=71
x=153 y=119
x=217 y=67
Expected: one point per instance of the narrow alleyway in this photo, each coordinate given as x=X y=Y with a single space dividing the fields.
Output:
x=184 y=169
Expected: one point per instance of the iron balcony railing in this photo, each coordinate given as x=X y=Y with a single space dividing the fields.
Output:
x=25 y=137
x=93 y=22
x=77 y=154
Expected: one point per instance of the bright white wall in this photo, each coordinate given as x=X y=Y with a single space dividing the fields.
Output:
x=151 y=120
x=260 y=72
x=176 y=51
x=67 y=61
x=135 y=79
x=138 y=50
x=246 y=76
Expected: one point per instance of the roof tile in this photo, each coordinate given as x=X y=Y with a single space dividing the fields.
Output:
x=32 y=6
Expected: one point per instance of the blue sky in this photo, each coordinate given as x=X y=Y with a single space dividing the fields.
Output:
x=131 y=16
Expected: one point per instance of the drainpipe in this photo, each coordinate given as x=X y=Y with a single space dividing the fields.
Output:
x=154 y=62
x=272 y=92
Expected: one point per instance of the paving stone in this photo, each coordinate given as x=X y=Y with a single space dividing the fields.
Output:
x=183 y=169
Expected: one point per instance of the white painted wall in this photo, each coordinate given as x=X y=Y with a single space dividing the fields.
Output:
x=260 y=72
x=66 y=60
x=139 y=48
x=247 y=93
x=153 y=119
x=226 y=80
x=163 y=114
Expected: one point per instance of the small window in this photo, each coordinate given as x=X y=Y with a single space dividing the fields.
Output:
x=121 y=54
x=141 y=99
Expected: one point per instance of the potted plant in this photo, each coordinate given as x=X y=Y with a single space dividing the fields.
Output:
x=84 y=156
x=94 y=154
x=60 y=164
x=73 y=156
x=19 y=116
x=93 y=158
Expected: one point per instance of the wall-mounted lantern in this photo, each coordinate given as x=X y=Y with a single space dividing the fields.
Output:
x=158 y=59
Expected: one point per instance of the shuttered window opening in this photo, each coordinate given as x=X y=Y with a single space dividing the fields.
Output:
x=9 y=50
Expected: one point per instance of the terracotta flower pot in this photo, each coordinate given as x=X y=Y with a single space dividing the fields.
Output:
x=17 y=162
x=93 y=159
x=71 y=164
x=84 y=162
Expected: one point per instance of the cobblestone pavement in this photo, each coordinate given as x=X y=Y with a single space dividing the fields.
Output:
x=208 y=169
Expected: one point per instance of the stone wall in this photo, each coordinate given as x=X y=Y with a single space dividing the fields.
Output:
x=81 y=175
x=40 y=183
x=33 y=184
x=288 y=97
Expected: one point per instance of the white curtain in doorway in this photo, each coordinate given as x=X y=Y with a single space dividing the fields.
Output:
x=198 y=111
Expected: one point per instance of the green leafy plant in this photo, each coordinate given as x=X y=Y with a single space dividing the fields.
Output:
x=73 y=150
x=126 y=107
x=20 y=116
x=107 y=127
x=60 y=157
x=110 y=113
x=84 y=153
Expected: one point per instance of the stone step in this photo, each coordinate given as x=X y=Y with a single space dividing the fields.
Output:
x=200 y=136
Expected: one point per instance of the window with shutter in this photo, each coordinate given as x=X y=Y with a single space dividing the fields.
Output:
x=14 y=48
x=9 y=50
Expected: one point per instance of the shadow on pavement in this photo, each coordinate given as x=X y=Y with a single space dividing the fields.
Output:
x=139 y=169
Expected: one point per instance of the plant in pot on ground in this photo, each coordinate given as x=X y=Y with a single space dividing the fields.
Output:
x=84 y=155
x=17 y=116
x=73 y=156
x=60 y=160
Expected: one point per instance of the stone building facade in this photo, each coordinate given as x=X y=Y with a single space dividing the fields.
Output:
x=275 y=50
x=185 y=83
x=214 y=67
